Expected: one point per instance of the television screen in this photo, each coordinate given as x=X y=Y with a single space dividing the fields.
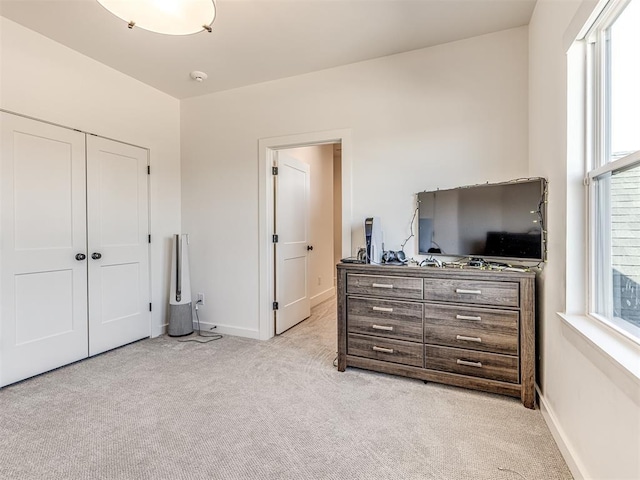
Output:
x=503 y=220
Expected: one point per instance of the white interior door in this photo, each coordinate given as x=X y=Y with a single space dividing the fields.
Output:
x=44 y=287
x=118 y=246
x=292 y=226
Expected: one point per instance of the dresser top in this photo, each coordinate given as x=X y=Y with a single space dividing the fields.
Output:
x=431 y=271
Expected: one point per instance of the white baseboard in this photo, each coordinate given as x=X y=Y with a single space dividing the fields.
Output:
x=321 y=297
x=245 y=332
x=222 y=329
x=159 y=330
x=228 y=330
x=575 y=465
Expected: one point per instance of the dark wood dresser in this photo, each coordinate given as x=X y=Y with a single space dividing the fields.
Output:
x=465 y=327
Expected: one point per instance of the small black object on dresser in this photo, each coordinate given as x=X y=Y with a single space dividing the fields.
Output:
x=465 y=327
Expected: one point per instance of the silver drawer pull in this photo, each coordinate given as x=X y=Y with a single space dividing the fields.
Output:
x=382 y=285
x=468 y=364
x=382 y=349
x=382 y=327
x=382 y=309
x=468 y=317
x=463 y=290
x=470 y=339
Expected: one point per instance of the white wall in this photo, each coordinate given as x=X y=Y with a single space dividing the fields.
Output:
x=592 y=404
x=321 y=258
x=48 y=81
x=445 y=116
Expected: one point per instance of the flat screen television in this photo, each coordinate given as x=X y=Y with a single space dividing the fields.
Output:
x=491 y=221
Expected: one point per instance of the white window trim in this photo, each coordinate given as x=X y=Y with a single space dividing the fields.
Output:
x=619 y=349
x=596 y=155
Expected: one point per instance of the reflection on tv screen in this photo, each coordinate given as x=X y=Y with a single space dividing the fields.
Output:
x=500 y=220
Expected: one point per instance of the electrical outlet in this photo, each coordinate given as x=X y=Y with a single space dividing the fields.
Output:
x=201 y=299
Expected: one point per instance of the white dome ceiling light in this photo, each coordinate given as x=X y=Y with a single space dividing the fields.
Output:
x=170 y=17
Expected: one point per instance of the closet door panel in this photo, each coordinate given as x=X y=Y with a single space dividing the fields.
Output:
x=43 y=321
x=118 y=229
x=42 y=166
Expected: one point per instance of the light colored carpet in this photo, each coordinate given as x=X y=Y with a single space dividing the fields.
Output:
x=239 y=408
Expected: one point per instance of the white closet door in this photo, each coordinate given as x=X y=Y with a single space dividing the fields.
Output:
x=118 y=248
x=292 y=254
x=43 y=322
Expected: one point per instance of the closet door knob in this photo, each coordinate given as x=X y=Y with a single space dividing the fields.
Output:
x=96 y=255
x=80 y=257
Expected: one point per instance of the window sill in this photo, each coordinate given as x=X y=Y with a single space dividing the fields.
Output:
x=621 y=351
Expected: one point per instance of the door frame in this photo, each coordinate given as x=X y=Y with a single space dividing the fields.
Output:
x=266 y=155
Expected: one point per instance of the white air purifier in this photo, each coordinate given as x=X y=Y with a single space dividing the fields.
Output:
x=180 y=310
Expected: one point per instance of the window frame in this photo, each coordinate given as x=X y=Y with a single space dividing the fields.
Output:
x=599 y=163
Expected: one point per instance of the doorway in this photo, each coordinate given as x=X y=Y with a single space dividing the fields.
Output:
x=307 y=221
x=268 y=153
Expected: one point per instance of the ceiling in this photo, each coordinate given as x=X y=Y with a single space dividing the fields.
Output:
x=256 y=41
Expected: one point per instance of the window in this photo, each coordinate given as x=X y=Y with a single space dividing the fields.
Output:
x=613 y=165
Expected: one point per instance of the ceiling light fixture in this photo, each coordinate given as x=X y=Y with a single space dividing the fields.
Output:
x=171 y=17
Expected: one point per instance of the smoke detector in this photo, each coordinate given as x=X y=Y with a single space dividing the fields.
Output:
x=198 y=76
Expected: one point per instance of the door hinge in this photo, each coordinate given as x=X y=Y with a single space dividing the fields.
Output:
x=148 y=169
x=275 y=305
x=274 y=170
x=149 y=238
x=274 y=238
x=149 y=306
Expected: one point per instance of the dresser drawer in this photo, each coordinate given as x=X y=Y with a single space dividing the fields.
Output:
x=385 y=286
x=473 y=363
x=480 y=292
x=473 y=328
x=388 y=318
x=388 y=350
